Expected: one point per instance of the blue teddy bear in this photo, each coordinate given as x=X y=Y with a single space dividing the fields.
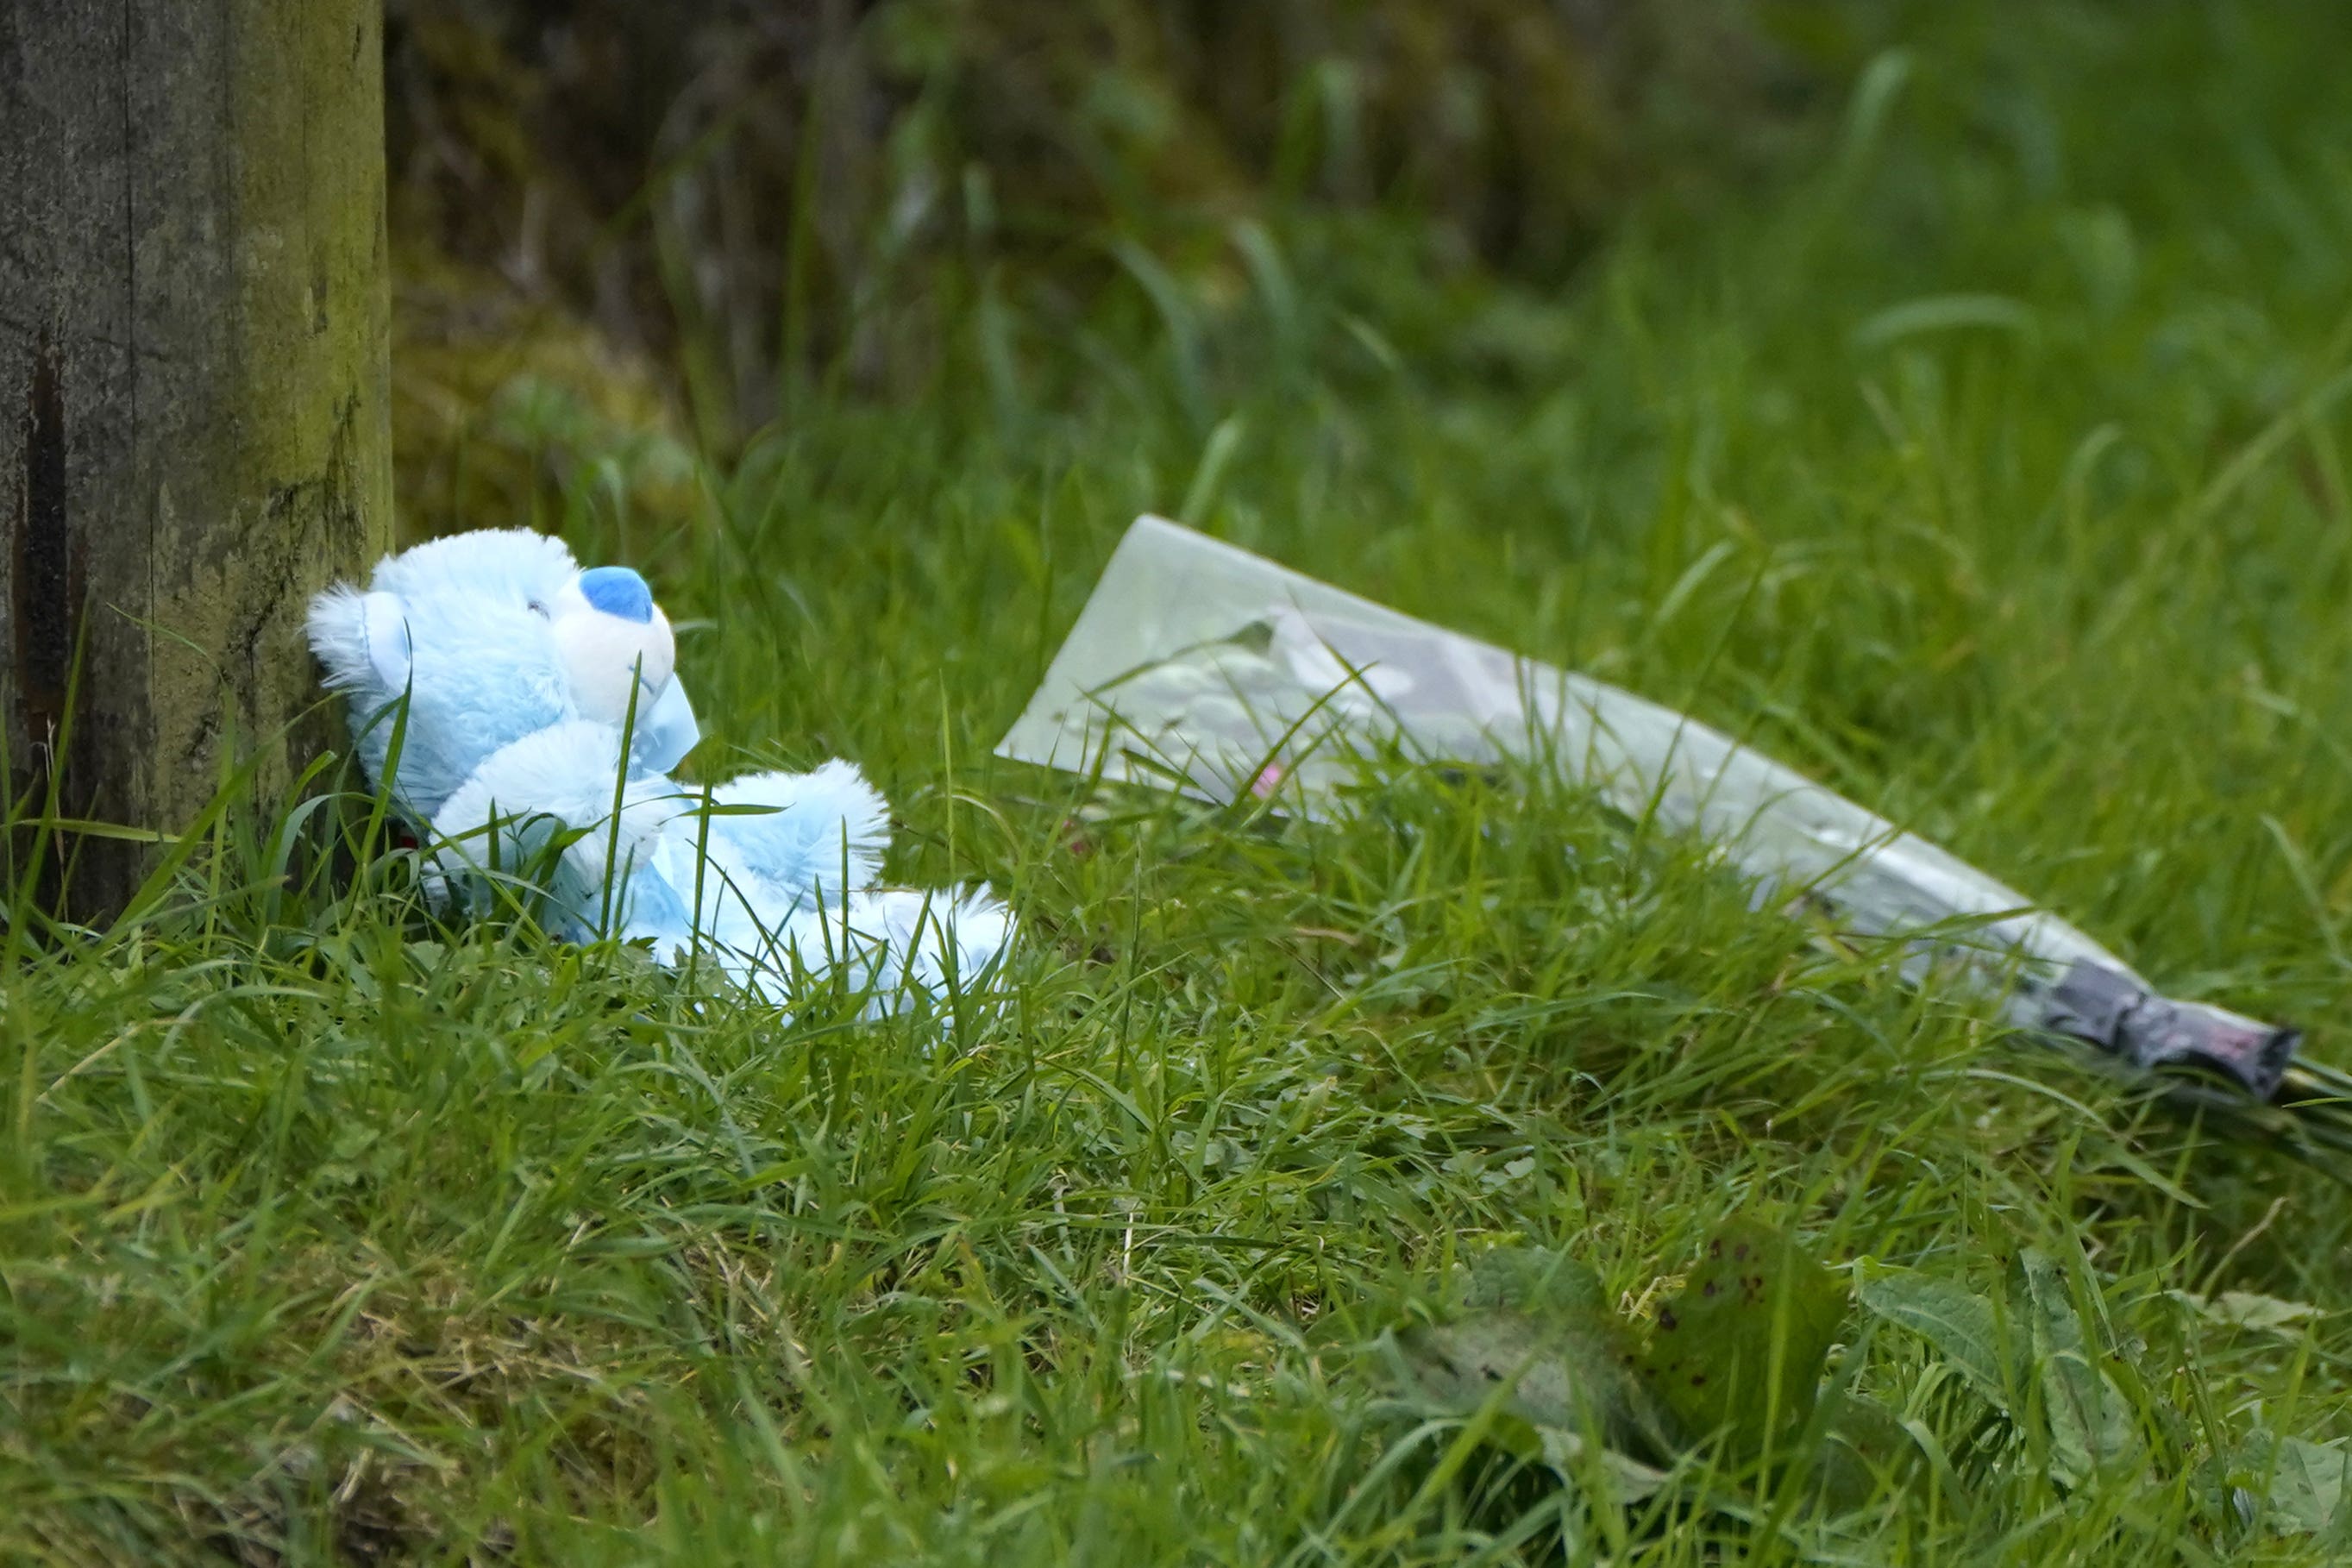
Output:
x=537 y=697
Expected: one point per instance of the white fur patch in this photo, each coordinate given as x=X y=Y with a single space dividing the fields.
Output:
x=604 y=656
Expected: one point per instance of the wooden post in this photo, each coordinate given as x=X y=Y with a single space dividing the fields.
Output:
x=194 y=385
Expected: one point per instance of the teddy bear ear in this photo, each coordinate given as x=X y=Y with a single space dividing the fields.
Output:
x=384 y=627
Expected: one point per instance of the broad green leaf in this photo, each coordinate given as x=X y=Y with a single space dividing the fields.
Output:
x=1962 y=1326
x=1867 y=1446
x=2307 y=1486
x=1740 y=1349
x=2247 y=1309
x=2288 y=1484
x=1558 y=1375
x=1629 y=1478
x=2090 y=1422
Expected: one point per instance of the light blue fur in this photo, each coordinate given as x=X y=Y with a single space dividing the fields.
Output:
x=495 y=761
x=483 y=670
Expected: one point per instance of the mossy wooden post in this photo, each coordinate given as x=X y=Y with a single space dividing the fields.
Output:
x=192 y=389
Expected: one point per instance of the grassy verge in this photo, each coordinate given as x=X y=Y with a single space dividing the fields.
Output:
x=1995 y=471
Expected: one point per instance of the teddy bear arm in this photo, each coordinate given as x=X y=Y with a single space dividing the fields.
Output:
x=559 y=782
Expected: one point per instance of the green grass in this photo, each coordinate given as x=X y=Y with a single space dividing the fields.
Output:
x=1993 y=468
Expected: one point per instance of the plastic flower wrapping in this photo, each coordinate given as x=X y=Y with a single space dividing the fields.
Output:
x=1199 y=667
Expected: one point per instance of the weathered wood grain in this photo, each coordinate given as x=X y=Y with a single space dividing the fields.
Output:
x=192 y=388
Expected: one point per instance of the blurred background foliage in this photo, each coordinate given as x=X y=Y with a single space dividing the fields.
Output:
x=641 y=231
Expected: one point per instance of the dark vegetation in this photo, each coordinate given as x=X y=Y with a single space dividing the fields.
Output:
x=717 y=207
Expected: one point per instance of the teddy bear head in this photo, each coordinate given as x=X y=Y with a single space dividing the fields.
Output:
x=491 y=636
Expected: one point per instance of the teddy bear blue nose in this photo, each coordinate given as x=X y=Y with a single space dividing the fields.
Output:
x=618 y=591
